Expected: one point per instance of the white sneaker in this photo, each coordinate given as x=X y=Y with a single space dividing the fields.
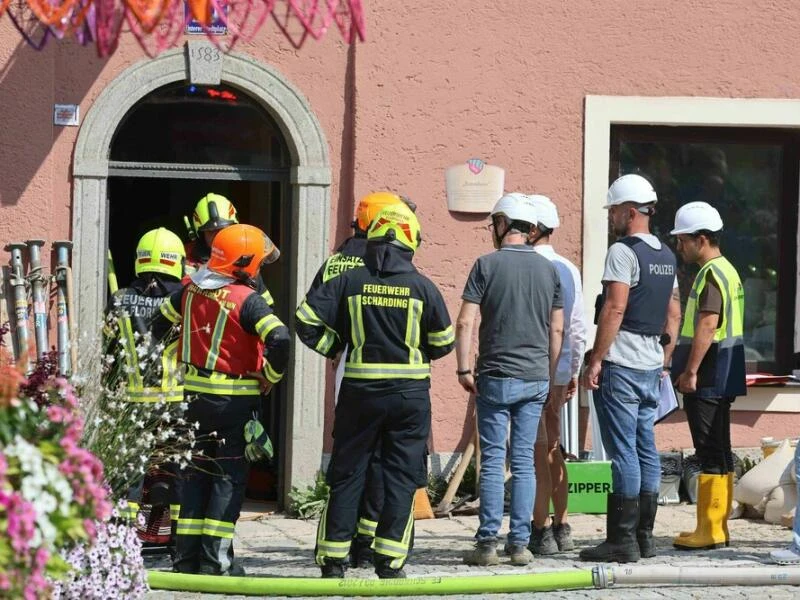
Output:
x=788 y=556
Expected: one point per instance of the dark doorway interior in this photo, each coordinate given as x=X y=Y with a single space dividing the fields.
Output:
x=165 y=157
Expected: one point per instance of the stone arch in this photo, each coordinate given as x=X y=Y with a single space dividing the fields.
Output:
x=310 y=179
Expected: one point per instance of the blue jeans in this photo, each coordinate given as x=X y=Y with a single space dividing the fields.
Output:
x=500 y=400
x=626 y=405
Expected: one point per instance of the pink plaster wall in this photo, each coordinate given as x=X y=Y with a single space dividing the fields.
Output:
x=434 y=85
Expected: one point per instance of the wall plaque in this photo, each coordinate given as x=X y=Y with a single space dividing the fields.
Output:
x=473 y=186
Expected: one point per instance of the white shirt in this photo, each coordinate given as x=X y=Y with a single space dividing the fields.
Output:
x=574 y=344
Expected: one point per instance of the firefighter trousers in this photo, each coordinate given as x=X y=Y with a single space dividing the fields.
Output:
x=211 y=490
x=399 y=424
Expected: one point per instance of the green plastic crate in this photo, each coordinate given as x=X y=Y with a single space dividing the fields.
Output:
x=589 y=485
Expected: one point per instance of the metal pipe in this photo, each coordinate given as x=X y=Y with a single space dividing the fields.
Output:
x=649 y=575
x=37 y=280
x=73 y=335
x=305 y=586
x=62 y=249
x=574 y=432
x=20 y=301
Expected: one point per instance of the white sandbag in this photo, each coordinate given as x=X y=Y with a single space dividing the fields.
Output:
x=782 y=499
x=755 y=485
x=737 y=510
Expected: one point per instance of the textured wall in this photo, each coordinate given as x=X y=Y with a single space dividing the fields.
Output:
x=434 y=85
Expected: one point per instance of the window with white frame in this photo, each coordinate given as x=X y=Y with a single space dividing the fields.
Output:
x=740 y=154
x=751 y=176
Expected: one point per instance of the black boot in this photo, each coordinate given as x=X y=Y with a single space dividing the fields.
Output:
x=622 y=516
x=384 y=570
x=361 y=551
x=333 y=568
x=648 y=505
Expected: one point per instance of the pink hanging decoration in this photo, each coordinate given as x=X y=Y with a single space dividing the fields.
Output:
x=109 y=16
x=30 y=28
x=165 y=35
x=241 y=18
x=74 y=21
x=160 y=24
x=349 y=18
x=147 y=13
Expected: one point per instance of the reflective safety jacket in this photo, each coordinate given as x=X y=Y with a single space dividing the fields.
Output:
x=392 y=319
x=226 y=334
x=152 y=374
x=722 y=370
x=348 y=256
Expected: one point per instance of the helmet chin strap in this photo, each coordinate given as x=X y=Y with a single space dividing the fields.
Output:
x=498 y=240
x=540 y=233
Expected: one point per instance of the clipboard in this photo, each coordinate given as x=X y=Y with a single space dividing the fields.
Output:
x=667 y=400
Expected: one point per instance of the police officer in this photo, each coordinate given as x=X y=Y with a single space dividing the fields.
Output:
x=393 y=321
x=710 y=368
x=234 y=349
x=349 y=255
x=639 y=304
x=212 y=214
x=131 y=336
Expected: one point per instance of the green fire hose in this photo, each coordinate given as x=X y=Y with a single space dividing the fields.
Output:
x=305 y=586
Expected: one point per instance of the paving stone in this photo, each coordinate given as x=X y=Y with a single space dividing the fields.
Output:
x=281 y=547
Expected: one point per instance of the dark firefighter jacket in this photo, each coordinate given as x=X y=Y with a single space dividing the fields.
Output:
x=392 y=318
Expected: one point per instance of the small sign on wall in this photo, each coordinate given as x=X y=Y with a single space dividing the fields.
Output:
x=67 y=115
x=216 y=27
x=473 y=186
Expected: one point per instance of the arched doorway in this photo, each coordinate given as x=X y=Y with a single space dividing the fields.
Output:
x=179 y=143
x=291 y=172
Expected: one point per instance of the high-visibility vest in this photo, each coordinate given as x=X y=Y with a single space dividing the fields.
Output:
x=722 y=370
x=212 y=336
x=142 y=387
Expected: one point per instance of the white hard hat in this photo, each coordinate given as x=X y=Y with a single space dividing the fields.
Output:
x=630 y=188
x=546 y=211
x=516 y=207
x=697 y=216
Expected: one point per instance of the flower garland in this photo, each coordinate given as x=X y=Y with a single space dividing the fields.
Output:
x=159 y=24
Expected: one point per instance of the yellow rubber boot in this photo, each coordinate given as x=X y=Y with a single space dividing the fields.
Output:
x=712 y=508
x=729 y=511
x=684 y=534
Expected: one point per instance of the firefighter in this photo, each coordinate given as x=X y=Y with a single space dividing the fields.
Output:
x=130 y=335
x=393 y=322
x=349 y=255
x=212 y=214
x=235 y=349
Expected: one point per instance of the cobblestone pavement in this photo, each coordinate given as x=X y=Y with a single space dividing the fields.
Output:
x=278 y=546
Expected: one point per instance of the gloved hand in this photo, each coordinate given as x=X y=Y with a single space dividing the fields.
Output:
x=259 y=446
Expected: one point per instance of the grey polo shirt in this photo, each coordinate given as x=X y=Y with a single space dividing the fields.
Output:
x=516 y=288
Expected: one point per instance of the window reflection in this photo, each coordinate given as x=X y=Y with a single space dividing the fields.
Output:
x=743 y=181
